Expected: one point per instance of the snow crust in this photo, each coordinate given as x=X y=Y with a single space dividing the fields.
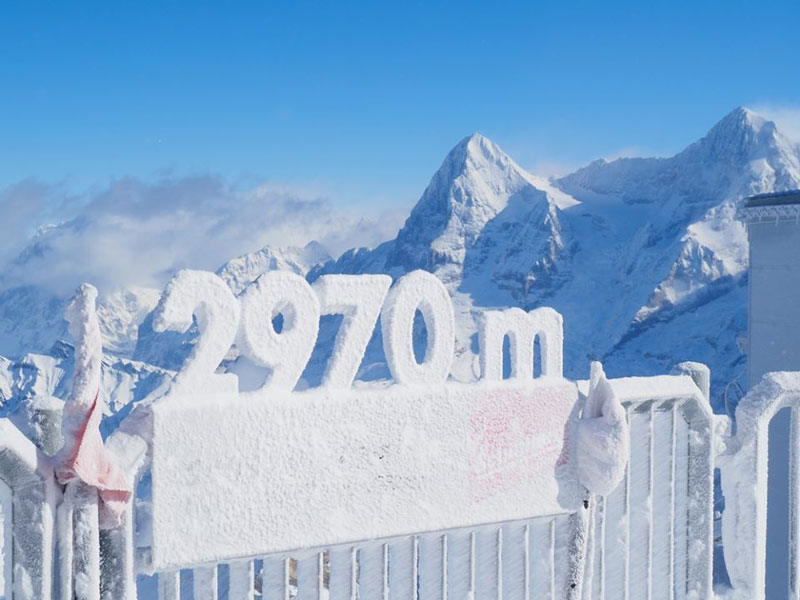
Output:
x=359 y=298
x=85 y=330
x=84 y=459
x=372 y=462
x=522 y=329
x=286 y=352
x=602 y=437
x=418 y=290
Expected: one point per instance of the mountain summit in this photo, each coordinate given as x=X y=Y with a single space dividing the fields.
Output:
x=743 y=154
x=475 y=184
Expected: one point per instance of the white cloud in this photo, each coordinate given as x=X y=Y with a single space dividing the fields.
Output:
x=547 y=169
x=630 y=152
x=786 y=117
x=136 y=232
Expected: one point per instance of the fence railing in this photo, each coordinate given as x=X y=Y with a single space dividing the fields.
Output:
x=523 y=559
x=653 y=534
x=29 y=529
x=644 y=533
x=743 y=462
x=651 y=537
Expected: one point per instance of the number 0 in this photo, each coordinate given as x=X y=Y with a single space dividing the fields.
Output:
x=418 y=290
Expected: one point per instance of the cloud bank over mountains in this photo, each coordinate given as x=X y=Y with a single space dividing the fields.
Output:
x=785 y=116
x=135 y=232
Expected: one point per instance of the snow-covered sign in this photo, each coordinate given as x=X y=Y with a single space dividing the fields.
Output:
x=238 y=474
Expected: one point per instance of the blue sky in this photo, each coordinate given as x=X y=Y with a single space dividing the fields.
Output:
x=359 y=103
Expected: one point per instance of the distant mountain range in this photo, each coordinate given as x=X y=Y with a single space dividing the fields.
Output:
x=643 y=257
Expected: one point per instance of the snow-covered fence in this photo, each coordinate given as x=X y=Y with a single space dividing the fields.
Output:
x=416 y=488
x=653 y=534
x=521 y=559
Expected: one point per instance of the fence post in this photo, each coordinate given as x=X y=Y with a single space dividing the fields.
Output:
x=117 y=569
x=79 y=541
x=28 y=473
x=702 y=448
x=744 y=483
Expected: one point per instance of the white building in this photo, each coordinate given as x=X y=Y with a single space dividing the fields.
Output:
x=773 y=226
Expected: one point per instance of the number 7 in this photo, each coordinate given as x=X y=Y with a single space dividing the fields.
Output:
x=359 y=299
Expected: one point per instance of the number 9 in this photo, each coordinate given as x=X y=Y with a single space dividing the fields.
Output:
x=285 y=353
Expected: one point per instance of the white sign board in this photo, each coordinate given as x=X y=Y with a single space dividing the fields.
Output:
x=247 y=474
x=305 y=470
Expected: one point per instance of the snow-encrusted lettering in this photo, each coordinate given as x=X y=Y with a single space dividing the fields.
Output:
x=204 y=297
x=359 y=299
x=419 y=290
x=286 y=352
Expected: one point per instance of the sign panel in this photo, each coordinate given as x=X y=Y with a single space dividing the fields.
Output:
x=248 y=475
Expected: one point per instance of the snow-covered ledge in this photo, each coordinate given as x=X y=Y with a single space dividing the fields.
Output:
x=771 y=214
x=772 y=208
x=28 y=473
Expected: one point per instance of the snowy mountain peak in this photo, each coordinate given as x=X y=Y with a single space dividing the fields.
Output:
x=643 y=257
x=477 y=149
x=741 y=135
x=243 y=270
x=741 y=117
x=475 y=182
x=742 y=154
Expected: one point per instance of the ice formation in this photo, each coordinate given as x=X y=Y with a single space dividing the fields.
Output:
x=83 y=456
x=419 y=290
x=602 y=441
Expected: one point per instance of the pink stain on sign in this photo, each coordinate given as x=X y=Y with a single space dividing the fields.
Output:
x=517 y=436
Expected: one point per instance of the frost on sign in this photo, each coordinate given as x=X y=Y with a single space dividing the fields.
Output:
x=252 y=473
